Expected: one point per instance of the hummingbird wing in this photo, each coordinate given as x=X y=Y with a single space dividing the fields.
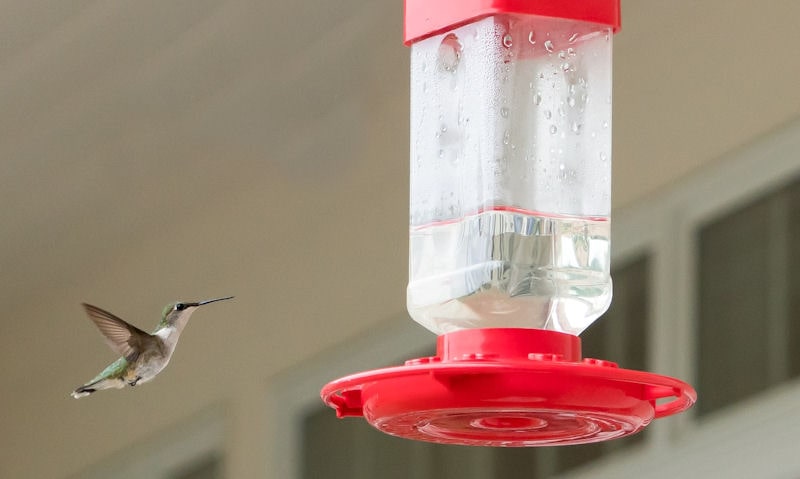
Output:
x=124 y=338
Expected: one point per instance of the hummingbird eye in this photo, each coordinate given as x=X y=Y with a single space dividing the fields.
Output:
x=180 y=307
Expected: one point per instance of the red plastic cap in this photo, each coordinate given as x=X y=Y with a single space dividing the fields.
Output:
x=424 y=18
x=508 y=387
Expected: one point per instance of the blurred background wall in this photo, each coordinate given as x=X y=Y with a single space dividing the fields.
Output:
x=161 y=150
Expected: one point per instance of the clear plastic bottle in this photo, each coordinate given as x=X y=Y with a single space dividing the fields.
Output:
x=511 y=175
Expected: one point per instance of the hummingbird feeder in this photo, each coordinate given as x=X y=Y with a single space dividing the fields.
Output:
x=509 y=236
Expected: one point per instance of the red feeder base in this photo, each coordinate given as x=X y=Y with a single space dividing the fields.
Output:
x=508 y=387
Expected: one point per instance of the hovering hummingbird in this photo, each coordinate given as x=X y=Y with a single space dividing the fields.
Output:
x=143 y=355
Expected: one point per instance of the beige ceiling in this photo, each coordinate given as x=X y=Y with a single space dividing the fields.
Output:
x=151 y=150
x=118 y=117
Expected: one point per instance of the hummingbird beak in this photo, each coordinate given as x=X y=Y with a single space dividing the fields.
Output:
x=200 y=303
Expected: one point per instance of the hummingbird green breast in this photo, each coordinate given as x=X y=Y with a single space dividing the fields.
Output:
x=144 y=355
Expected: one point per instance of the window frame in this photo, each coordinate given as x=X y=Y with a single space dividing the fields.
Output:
x=665 y=227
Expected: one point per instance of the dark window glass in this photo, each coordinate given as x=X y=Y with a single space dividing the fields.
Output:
x=328 y=445
x=209 y=467
x=748 y=285
x=792 y=290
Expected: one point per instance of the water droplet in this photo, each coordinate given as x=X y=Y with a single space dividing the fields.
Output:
x=553 y=129
x=573 y=37
x=566 y=67
x=532 y=38
x=449 y=54
x=562 y=54
x=504 y=112
x=548 y=45
x=605 y=124
x=507 y=40
x=548 y=114
x=576 y=127
x=603 y=157
x=443 y=128
x=537 y=99
x=571 y=101
x=506 y=137
x=571 y=52
x=441 y=153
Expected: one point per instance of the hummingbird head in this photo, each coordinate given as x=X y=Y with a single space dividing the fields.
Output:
x=178 y=313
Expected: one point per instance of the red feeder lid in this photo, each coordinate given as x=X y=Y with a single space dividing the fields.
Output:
x=508 y=387
x=424 y=18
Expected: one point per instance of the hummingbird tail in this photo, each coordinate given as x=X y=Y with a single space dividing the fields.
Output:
x=97 y=385
x=82 y=391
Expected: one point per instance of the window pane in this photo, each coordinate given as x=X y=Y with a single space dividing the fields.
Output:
x=327 y=445
x=457 y=462
x=517 y=463
x=733 y=293
x=207 y=468
x=793 y=283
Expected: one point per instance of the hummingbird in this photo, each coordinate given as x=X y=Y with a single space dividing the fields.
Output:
x=144 y=355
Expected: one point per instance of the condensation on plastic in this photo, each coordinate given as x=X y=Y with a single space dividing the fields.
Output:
x=511 y=110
